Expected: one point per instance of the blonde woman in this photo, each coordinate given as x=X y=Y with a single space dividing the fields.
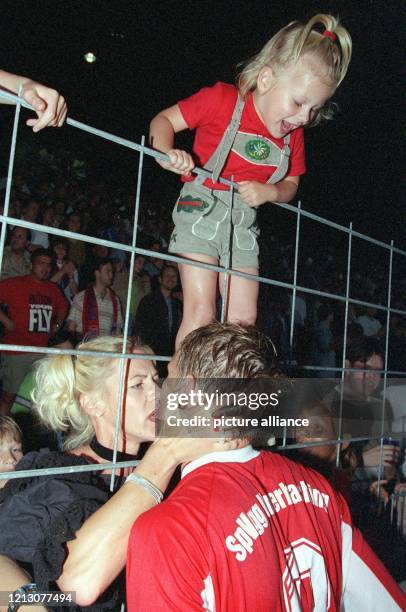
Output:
x=66 y=526
x=254 y=133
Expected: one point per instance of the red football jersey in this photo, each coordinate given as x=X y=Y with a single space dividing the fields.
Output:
x=249 y=531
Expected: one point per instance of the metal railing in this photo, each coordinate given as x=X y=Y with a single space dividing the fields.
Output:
x=134 y=250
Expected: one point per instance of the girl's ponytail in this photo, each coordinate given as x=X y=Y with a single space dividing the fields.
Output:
x=322 y=39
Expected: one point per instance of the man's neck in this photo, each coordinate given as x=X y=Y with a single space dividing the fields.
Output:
x=244 y=452
x=38 y=280
x=100 y=289
x=166 y=292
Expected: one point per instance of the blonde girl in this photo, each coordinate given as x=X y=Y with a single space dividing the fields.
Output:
x=254 y=133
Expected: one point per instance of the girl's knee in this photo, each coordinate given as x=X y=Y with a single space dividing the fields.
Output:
x=200 y=312
x=248 y=317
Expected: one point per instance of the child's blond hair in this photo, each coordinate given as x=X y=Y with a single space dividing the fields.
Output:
x=10 y=429
x=293 y=42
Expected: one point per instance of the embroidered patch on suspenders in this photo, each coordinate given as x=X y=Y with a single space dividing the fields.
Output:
x=257 y=149
x=188 y=204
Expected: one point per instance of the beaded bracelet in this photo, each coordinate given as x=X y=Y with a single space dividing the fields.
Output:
x=148 y=486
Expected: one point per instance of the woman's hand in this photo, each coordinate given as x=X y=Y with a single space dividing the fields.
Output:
x=164 y=455
x=183 y=450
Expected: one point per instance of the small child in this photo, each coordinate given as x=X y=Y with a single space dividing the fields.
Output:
x=10 y=446
x=254 y=133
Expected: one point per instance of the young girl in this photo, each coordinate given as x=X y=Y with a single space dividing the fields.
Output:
x=65 y=273
x=254 y=133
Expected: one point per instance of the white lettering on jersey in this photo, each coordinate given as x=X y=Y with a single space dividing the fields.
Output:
x=252 y=524
x=207 y=595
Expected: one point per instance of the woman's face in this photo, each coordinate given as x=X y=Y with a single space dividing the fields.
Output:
x=320 y=428
x=140 y=405
x=60 y=251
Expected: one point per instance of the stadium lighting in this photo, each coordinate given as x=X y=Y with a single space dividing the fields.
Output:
x=90 y=57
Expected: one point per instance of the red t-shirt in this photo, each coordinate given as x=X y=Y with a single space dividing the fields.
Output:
x=33 y=306
x=253 y=531
x=209 y=111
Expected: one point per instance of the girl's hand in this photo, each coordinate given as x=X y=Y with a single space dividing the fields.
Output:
x=181 y=162
x=255 y=194
x=49 y=105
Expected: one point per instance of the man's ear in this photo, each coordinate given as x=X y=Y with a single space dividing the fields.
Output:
x=265 y=79
x=191 y=381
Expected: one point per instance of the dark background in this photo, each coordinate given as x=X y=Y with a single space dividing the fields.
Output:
x=151 y=53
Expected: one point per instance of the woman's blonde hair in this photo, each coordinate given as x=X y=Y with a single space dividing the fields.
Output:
x=293 y=42
x=61 y=379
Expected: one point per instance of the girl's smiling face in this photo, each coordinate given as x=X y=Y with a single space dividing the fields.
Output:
x=291 y=99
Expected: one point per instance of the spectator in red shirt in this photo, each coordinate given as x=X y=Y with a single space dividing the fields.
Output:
x=34 y=308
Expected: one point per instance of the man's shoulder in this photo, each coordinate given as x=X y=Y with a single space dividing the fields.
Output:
x=79 y=296
x=16 y=281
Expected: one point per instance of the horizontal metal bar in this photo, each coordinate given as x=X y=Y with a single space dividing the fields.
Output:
x=200 y=171
x=331 y=369
x=322 y=443
x=19 y=348
x=55 y=231
x=129 y=144
x=68 y=469
x=176 y=259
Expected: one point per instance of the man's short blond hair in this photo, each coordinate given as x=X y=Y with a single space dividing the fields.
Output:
x=226 y=350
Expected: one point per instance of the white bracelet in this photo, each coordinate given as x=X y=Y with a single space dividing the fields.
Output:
x=148 y=486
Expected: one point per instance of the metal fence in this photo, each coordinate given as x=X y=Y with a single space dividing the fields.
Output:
x=141 y=150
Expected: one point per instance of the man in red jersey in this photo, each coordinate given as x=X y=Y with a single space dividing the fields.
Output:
x=33 y=309
x=248 y=530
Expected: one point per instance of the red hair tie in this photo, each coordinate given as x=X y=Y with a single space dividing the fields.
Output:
x=330 y=35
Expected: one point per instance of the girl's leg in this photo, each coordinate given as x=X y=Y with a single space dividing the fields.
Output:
x=242 y=297
x=199 y=294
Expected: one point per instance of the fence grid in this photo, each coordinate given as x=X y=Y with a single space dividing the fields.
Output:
x=142 y=150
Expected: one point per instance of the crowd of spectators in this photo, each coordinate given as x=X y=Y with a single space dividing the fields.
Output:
x=59 y=191
x=56 y=291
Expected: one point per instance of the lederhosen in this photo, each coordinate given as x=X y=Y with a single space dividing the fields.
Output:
x=207 y=208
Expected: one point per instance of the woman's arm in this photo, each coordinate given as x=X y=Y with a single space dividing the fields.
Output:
x=98 y=553
x=11 y=578
x=49 y=105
